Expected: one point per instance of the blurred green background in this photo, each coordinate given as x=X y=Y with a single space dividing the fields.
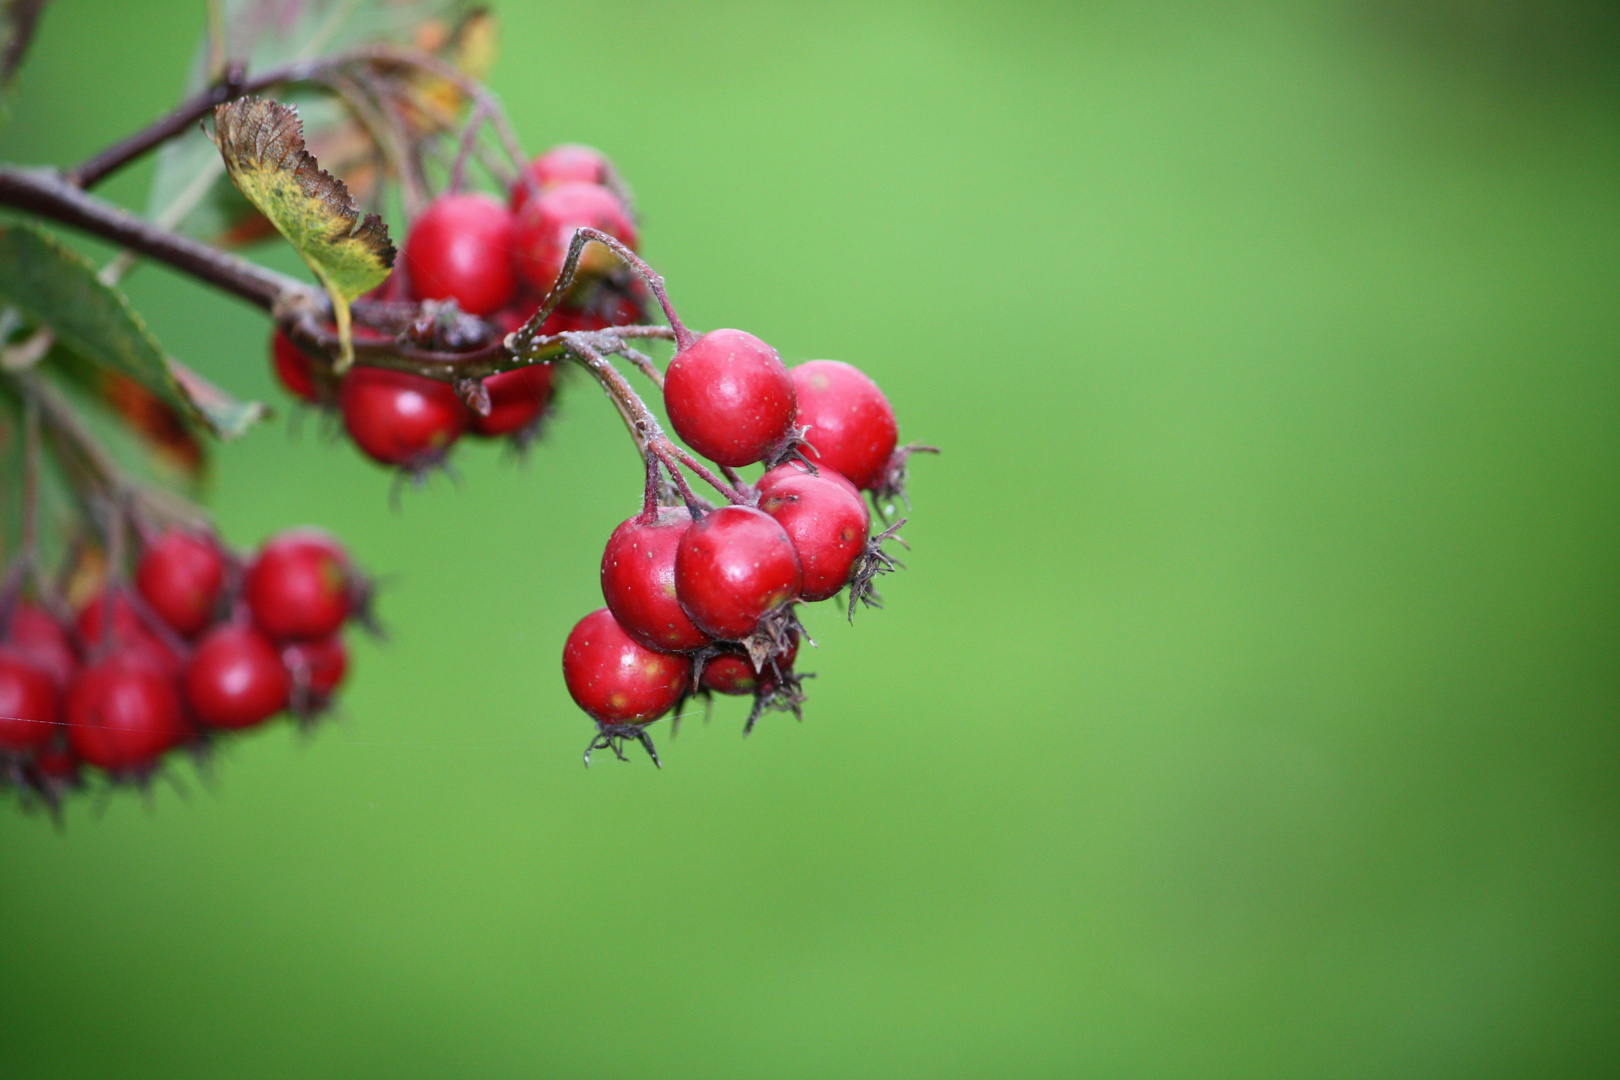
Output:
x=1251 y=703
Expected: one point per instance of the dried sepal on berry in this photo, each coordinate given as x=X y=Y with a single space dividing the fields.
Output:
x=784 y=693
x=892 y=485
x=874 y=561
x=614 y=736
x=777 y=635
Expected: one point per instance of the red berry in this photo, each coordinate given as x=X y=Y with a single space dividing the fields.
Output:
x=826 y=519
x=568 y=163
x=516 y=399
x=294 y=369
x=460 y=249
x=615 y=679
x=236 y=678
x=796 y=467
x=546 y=227
x=129 y=632
x=732 y=672
x=398 y=418
x=732 y=568
x=317 y=667
x=730 y=398
x=27 y=703
x=123 y=712
x=638 y=582
x=34 y=632
x=300 y=586
x=850 y=424
x=182 y=576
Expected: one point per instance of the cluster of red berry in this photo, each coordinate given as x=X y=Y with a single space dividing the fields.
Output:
x=202 y=644
x=496 y=261
x=702 y=601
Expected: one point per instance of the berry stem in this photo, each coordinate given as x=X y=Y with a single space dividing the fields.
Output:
x=645 y=363
x=694 y=505
x=565 y=281
x=469 y=140
x=654 y=280
x=643 y=426
x=475 y=90
x=28 y=541
x=384 y=125
x=591 y=349
x=89 y=463
x=733 y=495
x=113 y=528
x=649 y=496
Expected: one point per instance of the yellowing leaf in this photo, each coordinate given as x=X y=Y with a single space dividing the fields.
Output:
x=262 y=143
x=474 y=45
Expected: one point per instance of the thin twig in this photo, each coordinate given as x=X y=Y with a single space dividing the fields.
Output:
x=385 y=133
x=29 y=539
x=177 y=122
x=469 y=139
x=474 y=90
x=46 y=193
x=644 y=363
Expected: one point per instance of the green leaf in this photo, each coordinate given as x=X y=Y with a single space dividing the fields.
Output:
x=57 y=287
x=262 y=144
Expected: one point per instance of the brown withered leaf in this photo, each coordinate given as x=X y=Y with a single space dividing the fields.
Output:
x=262 y=144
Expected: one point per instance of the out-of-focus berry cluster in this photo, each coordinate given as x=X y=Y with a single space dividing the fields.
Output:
x=198 y=645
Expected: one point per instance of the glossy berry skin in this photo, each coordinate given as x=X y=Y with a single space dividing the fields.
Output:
x=236 y=678
x=317 y=667
x=123 y=713
x=294 y=369
x=730 y=398
x=826 y=519
x=615 y=679
x=28 y=703
x=732 y=568
x=850 y=424
x=300 y=586
x=567 y=163
x=546 y=227
x=516 y=400
x=398 y=418
x=181 y=576
x=35 y=633
x=460 y=249
x=732 y=672
x=638 y=582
